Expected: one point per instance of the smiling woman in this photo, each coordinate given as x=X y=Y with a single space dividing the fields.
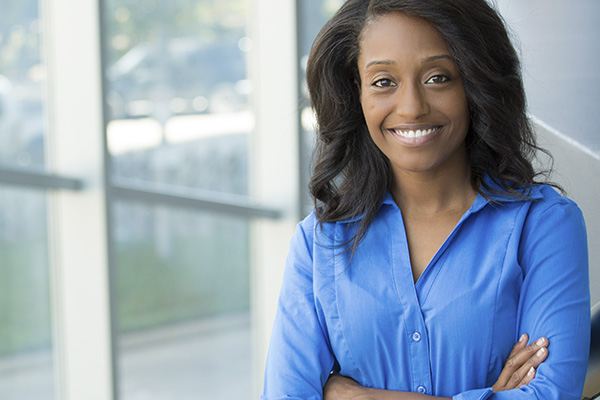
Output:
x=423 y=181
x=416 y=112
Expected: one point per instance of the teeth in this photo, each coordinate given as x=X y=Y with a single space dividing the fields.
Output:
x=415 y=133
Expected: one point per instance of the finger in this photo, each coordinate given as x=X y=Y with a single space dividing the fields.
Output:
x=524 y=374
x=518 y=363
x=527 y=378
x=521 y=343
x=527 y=353
x=511 y=363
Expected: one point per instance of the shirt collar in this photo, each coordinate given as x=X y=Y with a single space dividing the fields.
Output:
x=488 y=196
x=532 y=192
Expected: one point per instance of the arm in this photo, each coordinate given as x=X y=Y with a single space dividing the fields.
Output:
x=554 y=299
x=299 y=359
x=341 y=388
x=518 y=371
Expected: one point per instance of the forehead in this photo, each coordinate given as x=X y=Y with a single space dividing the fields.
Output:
x=401 y=34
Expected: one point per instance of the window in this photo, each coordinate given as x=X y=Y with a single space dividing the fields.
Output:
x=179 y=123
x=148 y=203
x=26 y=340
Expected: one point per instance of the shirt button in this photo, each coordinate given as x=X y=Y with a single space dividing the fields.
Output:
x=416 y=336
x=422 y=389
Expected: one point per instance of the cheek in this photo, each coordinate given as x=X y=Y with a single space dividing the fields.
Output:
x=374 y=110
x=366 y=105
x=368 y=109
x=455 y=108
x=461 y=104
x=374 y=123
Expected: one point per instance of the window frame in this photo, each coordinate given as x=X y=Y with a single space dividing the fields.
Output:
x=79 y=187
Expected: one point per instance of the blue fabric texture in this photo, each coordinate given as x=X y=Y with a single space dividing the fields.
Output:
x=509 y=267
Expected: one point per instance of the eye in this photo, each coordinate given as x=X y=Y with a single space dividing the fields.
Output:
x=384 y=83
x=438 y=79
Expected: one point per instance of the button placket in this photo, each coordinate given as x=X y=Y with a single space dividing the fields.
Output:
x=420 y=353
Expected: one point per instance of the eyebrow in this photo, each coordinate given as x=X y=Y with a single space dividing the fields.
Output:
x=425 y=60
x=381 y=62
x=440 y=56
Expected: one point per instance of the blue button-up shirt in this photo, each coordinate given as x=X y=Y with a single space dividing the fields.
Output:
x=509 y=267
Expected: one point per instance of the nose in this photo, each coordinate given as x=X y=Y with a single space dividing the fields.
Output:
x=411 y=102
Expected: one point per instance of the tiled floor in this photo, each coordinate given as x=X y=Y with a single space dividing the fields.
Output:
x=28 y=376
x=196 y=361
x=209 y=361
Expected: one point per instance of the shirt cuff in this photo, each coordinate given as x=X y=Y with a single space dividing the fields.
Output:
x=478 y=394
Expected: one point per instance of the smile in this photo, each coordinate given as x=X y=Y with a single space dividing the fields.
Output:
x=415 y=133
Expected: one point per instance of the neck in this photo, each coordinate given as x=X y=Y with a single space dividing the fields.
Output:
x=434 y=192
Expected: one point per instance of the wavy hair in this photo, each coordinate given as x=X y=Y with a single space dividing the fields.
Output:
x=351 y=175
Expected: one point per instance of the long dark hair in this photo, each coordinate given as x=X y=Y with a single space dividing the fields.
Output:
x=351 y=175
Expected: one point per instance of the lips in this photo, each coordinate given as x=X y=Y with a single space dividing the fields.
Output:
x=414 y=133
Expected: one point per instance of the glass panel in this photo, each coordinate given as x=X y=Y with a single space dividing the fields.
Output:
x=182 y=292
x=26 y=358
x=177 y=92
x=22 y=85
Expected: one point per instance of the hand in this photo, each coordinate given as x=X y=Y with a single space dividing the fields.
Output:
x=339 y=387
x=521 y=364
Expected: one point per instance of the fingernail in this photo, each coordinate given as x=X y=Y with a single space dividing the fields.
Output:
x=540 y=341
x=531 y=371
x=541 y=352
x=522 y=338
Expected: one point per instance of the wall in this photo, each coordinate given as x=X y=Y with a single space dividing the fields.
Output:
x=577 y=170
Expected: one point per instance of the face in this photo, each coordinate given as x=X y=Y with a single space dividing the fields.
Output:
x=412 y=95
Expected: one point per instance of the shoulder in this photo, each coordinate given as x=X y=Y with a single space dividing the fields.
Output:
x=548 y=203
x=311 y=249
x=553 y=224
x=543 y=215
x=536 y=201
x=324 y=233
x=304 y=234
x=546 y=212
x=323 y=240
x=310 y=231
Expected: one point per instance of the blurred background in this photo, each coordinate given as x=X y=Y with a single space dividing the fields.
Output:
x=154 y=158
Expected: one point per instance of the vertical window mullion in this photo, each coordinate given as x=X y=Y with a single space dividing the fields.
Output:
x=78 y=238
x=274 y=166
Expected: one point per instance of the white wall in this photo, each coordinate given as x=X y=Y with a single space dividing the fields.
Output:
x=577 y=170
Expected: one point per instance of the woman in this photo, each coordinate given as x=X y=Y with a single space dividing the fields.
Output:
x=432 y=248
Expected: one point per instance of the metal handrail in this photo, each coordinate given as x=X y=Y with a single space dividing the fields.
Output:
x=38 y=179
x=148 y=192
x=178 y=196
